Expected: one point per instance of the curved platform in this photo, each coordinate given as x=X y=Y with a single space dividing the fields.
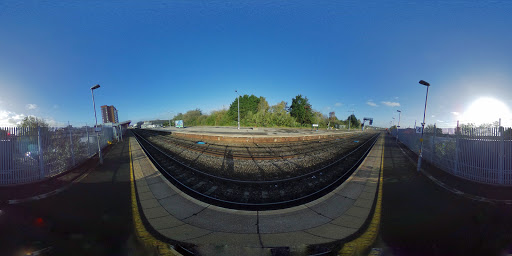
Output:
x=254 y=135
x=179 y=217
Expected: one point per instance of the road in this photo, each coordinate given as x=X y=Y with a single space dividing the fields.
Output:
x=92 y=217
x=421 y=218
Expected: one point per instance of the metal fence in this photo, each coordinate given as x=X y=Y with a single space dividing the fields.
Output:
x=32 y=154
x=478 y=154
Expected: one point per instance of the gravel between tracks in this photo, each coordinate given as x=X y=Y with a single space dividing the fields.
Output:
x=278 y=168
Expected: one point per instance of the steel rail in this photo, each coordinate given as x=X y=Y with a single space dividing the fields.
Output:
x=220 y=152
x=267 y=205
x=257 y=181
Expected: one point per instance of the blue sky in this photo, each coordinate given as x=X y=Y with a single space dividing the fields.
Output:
x=157 y=58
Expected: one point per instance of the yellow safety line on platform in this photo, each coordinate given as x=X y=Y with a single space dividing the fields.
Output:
x=362 y=244
x=142 y=235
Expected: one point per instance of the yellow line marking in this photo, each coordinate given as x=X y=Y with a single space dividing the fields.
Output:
x=142 y=235
x=362 y=244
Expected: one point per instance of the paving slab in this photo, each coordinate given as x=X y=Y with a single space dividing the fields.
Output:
x=150 y=203
x=358 y=212
x=293 y=221
x=184 y=232
x=165 y=222
x=249 y=240
x=161 y=190
x=146 y=196
x=349 y=221
x=180 y=207
x=224 y=222
x=333 y=207
x=351 y=190
x=331 y=231
x=143 y=188
x=364 y=203
x=155 y=212
x=292 y=239
x=367 y=195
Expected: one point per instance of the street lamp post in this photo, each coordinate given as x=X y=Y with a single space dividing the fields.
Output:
x=423 y=124
x=238 y=109
x=399 y=116
x=96 y=126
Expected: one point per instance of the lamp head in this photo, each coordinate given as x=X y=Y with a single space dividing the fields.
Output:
x=424 y=83
x=95 y=87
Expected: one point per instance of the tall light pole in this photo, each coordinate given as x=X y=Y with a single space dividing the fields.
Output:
x=96 y=126
x=238 y=109
x=423 y=124
x=399 y=115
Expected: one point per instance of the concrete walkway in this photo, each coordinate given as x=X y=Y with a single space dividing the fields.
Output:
x=217 y=230
x=249 y=135
x=421 y=218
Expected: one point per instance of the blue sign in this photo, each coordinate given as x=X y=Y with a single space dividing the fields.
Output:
x=178 y=123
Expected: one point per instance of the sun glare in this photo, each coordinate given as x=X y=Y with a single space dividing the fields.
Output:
x=487 y=111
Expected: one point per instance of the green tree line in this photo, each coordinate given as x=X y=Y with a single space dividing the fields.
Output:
x=256 y=112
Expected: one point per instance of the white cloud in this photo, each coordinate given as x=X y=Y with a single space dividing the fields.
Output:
x=433 y=115
x=338 y=104
x=371 y=103
x=391 y=104
x=455 y=113
x=9 y=119
x=31 y=106
x=440 y=121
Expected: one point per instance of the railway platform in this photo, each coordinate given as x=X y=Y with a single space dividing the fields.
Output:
x=254 y=135
x=338 y=216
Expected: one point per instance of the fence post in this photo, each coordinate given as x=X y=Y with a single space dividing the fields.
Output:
x=501 y=156
x=40 y=149
x=71 y=145
x=88 y=146
x=456 y=163
x=433 y=145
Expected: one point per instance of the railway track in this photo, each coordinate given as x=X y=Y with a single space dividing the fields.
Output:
x=267 y=151
x=255 y=194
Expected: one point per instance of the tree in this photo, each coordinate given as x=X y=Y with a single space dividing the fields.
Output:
x=279 y=116
x=247 y=103
x=354 y=122
x=192 y=117
x=33 y=122
x=430 y=129
x=332 y=116
x=262 y=105
x=301 y=110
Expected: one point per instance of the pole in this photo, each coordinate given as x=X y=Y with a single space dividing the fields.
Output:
x=422 y=129
x=238 y=110
x=95 y=127
x=88 y=146
x=399 y=116
x=71 y=144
